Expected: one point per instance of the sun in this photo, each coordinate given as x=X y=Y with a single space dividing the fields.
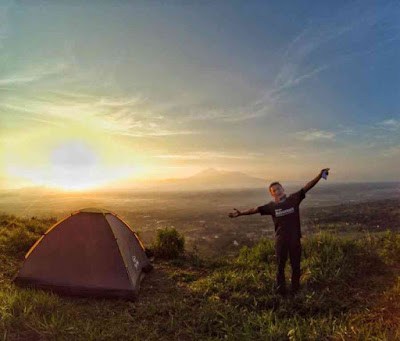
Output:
x=71 y=160
x=74 y=165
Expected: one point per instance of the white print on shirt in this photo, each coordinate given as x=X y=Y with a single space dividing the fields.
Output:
x=135 y=262
x=279 y=212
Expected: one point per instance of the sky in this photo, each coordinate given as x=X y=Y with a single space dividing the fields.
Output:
x=94 y=92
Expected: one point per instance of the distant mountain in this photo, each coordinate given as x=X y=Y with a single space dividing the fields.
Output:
x=213 y=178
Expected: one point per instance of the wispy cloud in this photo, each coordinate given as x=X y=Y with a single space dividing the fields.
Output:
x=390 y=124
x=305 y=56
x=155 y=133
x=345 y=130
x=128 y=116
x=32 y=75
x=381 y=130
x=313 y=135
x=120 y=102
x=42 y=121
x=391 y=151
x=208 y=155
x=309 y=53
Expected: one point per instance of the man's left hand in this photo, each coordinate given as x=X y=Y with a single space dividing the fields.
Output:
x=326 y=170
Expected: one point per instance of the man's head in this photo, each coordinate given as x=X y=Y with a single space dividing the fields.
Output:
x=276 y=190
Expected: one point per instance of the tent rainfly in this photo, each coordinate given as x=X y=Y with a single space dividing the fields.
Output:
x=89 y=253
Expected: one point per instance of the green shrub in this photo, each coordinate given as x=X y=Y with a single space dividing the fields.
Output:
x=169 y=244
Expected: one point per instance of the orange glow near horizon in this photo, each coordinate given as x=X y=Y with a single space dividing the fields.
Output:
x=69 y=162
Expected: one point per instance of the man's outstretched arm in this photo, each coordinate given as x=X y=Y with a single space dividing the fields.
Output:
x=238 y=213
x=313 y=182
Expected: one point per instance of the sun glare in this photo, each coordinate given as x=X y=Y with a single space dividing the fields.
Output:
x=72 y=165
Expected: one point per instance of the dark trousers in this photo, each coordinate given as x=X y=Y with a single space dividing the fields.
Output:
x=283 y=249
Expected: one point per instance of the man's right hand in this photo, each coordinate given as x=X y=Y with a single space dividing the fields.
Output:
x=234 y=214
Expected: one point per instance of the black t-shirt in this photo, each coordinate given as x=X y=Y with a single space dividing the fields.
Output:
x=285 y=215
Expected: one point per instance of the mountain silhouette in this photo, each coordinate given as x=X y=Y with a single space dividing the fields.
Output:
x=214 y=178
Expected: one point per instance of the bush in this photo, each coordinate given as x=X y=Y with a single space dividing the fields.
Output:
x=169 y=243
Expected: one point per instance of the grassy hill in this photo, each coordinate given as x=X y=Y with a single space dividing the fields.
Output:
x=350 y=291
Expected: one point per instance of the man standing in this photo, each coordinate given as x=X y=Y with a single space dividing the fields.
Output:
x=285 y=214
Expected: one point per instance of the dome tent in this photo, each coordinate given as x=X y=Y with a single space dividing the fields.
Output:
x=91 y=252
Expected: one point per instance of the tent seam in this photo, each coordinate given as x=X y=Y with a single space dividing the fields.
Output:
x=44 y=234
x=130 y=228
x=122 y=256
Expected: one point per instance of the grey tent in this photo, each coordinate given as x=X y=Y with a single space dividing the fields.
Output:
x=89 y=253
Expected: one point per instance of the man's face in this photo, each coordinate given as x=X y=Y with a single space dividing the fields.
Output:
x=277 y=191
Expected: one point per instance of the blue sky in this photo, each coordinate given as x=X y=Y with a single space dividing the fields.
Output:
x=275 y=89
